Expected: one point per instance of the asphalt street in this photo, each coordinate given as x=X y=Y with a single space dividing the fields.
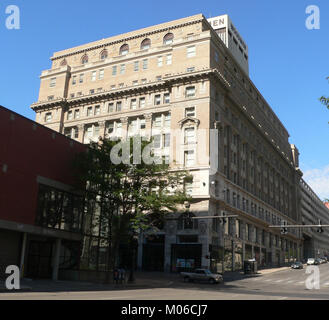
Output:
x=281 y=285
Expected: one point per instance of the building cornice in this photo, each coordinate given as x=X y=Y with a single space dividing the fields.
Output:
x=125 y=39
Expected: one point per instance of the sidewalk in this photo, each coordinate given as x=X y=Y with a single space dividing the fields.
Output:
x=143 y=280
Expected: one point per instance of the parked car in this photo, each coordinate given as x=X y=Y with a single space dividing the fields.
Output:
x=317 y=261
x=203 y=275
x=310 y=261
x=324 y=260
x=297 y=265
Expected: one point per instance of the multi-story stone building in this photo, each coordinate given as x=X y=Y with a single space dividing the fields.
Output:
x=313 y=210
x=180 y=77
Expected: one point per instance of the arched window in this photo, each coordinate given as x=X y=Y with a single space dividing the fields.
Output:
x=104 y=54
x=63 y=63
x=168 y=39
x=146 y=44
x=186 y=222
x=124 y=50
x=84 y=59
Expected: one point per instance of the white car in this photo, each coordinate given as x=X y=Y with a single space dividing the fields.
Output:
x=310 y=261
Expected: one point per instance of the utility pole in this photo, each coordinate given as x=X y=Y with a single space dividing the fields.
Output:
x=223 y=220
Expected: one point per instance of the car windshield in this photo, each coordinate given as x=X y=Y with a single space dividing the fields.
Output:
x=207 y=271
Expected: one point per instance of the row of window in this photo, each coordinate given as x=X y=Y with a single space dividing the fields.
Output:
x=124 y=49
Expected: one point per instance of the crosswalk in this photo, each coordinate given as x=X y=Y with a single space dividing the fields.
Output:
x=287 y=281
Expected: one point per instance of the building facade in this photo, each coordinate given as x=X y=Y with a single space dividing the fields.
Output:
x=313 y=210
x=181 y=84
x=37 y=195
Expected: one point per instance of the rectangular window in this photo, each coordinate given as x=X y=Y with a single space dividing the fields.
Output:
x=51 y=98
x=70 y=115
x=77 y=114
x=142 y=124
x=157 y=121
x=166 y=140
x=74 y=80
x=97 y=110
x=157 y=141
x=191 y=51
x=81 y=78
x=189 y=135
x=93 y=76
x=190 y=92
x=90 y=111
x=52 y=82
x=122 y=69
x=166 y=98
x=114 y=70
x=133 y=104
x=136 y=65
x=142 y=102
x=92 y=91
x=168 y=120
x=110 y=128
x=101 y=74
x=190 y=112
x=157 y=99
x=145 y=64
x=48 y=117
x=135 y=82
x=189 y=158
x=119 y=106
x=144 y=81
x=160 y=61
x=169 y=59
x=111 y=107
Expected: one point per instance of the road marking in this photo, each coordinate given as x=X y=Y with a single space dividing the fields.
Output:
x=326 y=284
x=282 y=298
x=277 y=281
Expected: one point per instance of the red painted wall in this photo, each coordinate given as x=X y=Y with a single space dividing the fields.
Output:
x=29 y=150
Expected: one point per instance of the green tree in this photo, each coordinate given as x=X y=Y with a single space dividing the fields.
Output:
x=325 y=100
x=132 y=195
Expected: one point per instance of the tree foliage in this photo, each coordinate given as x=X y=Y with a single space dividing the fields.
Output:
x=131 y=196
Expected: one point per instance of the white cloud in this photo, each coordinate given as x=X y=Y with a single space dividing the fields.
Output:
x=318 y=179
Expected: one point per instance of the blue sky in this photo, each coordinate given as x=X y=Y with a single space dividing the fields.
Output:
x=288 y=62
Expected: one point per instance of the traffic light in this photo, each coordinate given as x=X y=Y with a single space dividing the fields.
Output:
x=223 y=220
x=284 y=230
x=320 y=229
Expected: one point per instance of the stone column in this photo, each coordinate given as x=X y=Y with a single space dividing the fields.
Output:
x=102 y=127
x=81 y=128
x=56 y=259
x=148 y=124
x=124 y=129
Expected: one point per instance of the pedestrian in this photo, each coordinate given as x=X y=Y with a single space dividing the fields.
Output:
x=116 y=275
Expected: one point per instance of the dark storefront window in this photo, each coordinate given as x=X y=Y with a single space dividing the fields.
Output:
x=58 y=209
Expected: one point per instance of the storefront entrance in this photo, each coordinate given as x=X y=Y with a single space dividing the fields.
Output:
x=39 y=260
x=153 y=254
x=185 y=257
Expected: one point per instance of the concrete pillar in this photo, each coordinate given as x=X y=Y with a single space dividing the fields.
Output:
x=148 y=124
x=22 y=264
x=56 y=259
x=124 y=129
x=81 y=129
x=102 y=127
